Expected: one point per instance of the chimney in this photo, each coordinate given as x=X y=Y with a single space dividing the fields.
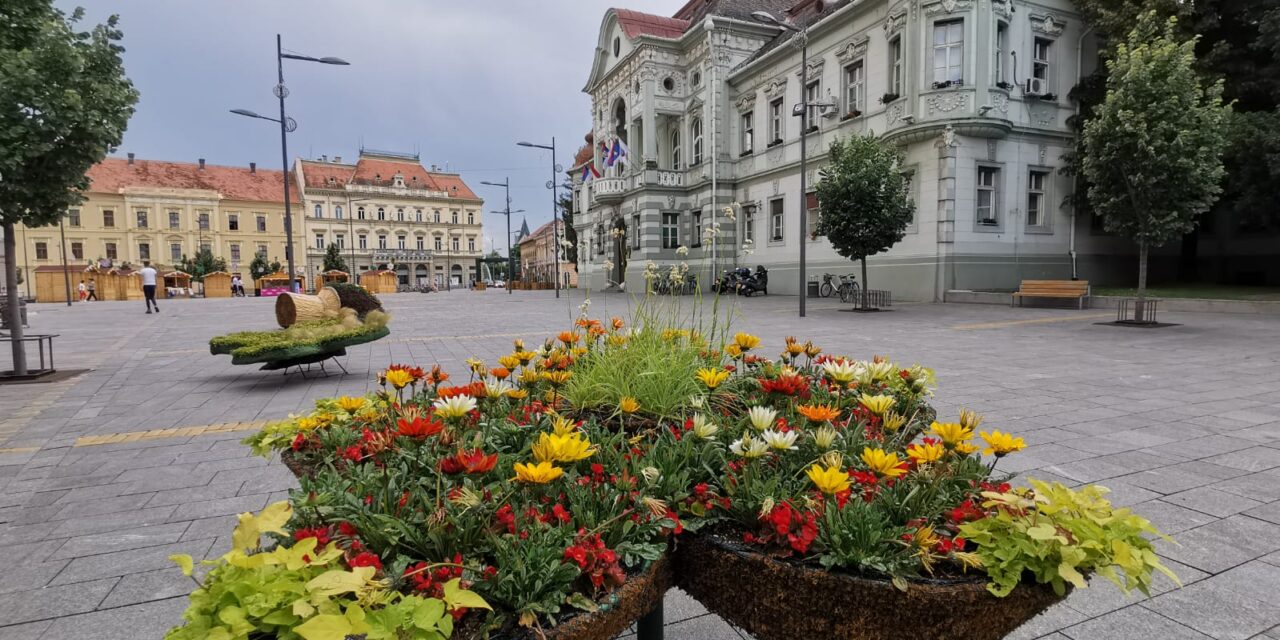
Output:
x=324 y=158
x=253 y=167
x=130 y=157
x=337 y=159
x=202 y=164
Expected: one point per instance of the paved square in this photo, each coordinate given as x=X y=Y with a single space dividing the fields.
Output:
x=1183 y=423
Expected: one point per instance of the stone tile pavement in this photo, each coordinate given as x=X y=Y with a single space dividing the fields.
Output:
x=1182 y=423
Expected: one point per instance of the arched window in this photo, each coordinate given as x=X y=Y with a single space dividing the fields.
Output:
x=675 y=150
x=695 y=131
x=382 y=214
x=471 y=217
x=437 y=214
x=337 y=211
x=360 y=213
x=418 y=215
x=319 y=211
x=400 y=215
x=455 y=217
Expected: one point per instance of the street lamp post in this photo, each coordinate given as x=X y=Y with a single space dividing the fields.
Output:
x=555 y=202
x=766 y=17
x=506 y=184
x=287 y=124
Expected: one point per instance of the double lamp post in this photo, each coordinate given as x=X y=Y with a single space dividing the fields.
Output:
x=511 y=259
x=287 y=124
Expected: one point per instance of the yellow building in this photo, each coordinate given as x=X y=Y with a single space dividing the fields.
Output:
x=538 y=253
x=160 y=211
x=386 y=211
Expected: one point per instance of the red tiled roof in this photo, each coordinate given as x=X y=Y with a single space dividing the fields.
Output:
x=233 y=183
x=544 y=230
x=380 y=171
x=635 y=24
x=317 y=174
x=452 y=183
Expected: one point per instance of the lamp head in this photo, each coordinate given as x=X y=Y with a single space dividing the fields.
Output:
x=245 y=112
x=333 y=60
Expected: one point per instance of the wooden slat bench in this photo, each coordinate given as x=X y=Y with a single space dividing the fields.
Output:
x=1078 y=289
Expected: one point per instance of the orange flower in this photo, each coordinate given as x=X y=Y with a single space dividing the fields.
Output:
x=474 y=461
x=419 y=427
x=617 y=323
x=569 y=337
x=501 y=373
x=437 y=375
x=818 y=412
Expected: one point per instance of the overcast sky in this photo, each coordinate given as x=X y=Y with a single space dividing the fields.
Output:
x=459 y=82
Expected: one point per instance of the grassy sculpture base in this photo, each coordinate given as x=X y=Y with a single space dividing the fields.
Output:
x=777 y=600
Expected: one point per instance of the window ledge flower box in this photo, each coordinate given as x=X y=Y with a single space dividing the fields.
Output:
x=774 y=143
x=850 y=115
x=889 y=97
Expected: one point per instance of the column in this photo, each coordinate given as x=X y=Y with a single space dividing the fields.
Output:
x=648 y=115
x=946 y=226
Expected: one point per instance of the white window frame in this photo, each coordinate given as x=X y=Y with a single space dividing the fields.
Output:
x=952 y=51
x=1042 y=61
x=340 y=240
x=1039 y=194
x=175 y=251
x=812 y=96
x=635 y=231
x=1001 y=50
x=337 y=211
x=776 y=122
x=675 y=150
x=382 y=241
x=421 y=243
x=696 y=240
x=670 y=229
x=175 y=220
x=695 y=133
x=747 y=133
x=749 y=223
x=992 y=207
x=320 y=241
x=401 y=243
x=318 y=212
x=855 y=87
x=778 y=220
x=362 y=241
x=439 y=244
x=896 y=53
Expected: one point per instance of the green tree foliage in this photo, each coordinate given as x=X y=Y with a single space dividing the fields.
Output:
x=333 y=259
x=258 y=267
x=863 y=198
x=66 y=102
x=203 y=264
x=1153 y=152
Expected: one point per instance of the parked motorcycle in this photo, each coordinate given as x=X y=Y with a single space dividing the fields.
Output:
x=750 y=283
x=727 y=283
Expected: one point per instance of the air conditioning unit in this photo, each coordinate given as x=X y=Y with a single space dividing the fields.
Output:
x=828 y=110
x=1037 y=86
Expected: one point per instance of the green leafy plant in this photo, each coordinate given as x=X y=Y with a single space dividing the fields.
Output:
x=1060 y=536
x=304 y=338
x=655 y=367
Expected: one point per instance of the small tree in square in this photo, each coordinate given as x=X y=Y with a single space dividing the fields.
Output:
x=1153 y=152
x=258 y=267
x=863 y=199
x=202 y=265
x=333 y=259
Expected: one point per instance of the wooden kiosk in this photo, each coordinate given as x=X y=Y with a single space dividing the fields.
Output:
x=379 y=281
x=177 y=284
x=217 y=285
x=277 y=283
x=332 y=276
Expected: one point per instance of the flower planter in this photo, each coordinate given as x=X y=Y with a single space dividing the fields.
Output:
x=638 y=596
x=776 y=600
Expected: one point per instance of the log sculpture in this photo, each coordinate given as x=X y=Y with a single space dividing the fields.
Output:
x=296 y=307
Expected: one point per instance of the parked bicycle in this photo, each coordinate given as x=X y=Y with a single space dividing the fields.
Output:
x=828 y=285
x=848 y=288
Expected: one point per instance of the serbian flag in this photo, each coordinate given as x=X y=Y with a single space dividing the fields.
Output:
x=589 y=172
x=604 y=154
x=618 y=152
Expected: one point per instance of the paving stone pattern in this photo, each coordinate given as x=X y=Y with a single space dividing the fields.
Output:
x=1182 y=423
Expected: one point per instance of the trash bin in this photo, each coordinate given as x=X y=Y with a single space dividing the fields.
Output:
x=813 y=288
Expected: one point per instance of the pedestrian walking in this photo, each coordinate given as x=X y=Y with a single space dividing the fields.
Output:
x=93 y=295
x=148 y=274
x=83 y=291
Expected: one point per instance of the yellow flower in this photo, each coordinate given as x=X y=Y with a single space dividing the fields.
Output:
x=829 y=480
x=398 y=378
x=825 y=437
x=350 y=404
x=509 y=361
x=570 y=447
x=877 y=404
x=616 y=340
x=952 y=433
x=556 y=378
x=746 y=341
x=454 y=407
x=529 y=376
x=628 y=405
x=561 y=425
x=811 y=349
x=477 y=366
x=1001 y=444
x=517 y=394
x=307 y=424
x=926 y=453
x=794 y=348
x=540 y=473
x=892 y=421
x=969 y=419
x=733 y=350
x=885 y=465
x=525 y=357
x=966 y=448
x=712 y=377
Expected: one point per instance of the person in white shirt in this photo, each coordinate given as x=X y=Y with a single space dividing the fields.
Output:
x=148 y=274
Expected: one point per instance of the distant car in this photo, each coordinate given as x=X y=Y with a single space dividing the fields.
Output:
x=499 y=284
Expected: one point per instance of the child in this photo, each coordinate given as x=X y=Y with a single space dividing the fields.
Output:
x=84 y=291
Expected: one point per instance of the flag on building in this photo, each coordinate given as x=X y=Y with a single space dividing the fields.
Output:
x=618 y=152
x=589 y=172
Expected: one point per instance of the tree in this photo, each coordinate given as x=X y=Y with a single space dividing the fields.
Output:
x=66 y=102
x=1153 y=152
x=275 y=267
x=258 y=267
x=203 y=264
x=333 y=259
x=863 y=198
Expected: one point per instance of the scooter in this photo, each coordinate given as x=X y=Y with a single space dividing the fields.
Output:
x=753 y=283
x=727 y=283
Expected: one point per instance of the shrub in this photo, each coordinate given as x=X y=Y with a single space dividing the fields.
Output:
x=356 y=297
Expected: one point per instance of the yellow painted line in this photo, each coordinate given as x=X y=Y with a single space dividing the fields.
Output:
x=20 y=450
x=155 y=434
x=1015 y=323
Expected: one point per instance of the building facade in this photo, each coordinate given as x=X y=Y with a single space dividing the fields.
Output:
x=137 y=210
x=387 y=211
x=973 y=93
x=539 y=252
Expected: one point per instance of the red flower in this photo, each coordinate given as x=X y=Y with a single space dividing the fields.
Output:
x=419 y=427
x=352 y=453
x=321 y=534
x=790 y=527
x=679 y=528
x=561 y=514
x=469 y=462
x=347 y=529
x=298 y=441
x=786 y=385
x=366 y=559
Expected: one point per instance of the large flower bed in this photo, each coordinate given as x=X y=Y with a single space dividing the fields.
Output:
x=551 y=486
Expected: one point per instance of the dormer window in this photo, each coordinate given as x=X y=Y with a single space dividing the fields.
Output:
x=398 y=180
x=377 y=177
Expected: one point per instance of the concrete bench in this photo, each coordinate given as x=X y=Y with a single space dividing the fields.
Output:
x=1078 y=289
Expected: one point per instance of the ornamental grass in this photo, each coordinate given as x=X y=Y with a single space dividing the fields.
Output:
x=552 y=483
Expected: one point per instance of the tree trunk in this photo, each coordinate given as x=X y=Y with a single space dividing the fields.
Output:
x=864 y=283
x=1140 y=308
x=14 y=311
